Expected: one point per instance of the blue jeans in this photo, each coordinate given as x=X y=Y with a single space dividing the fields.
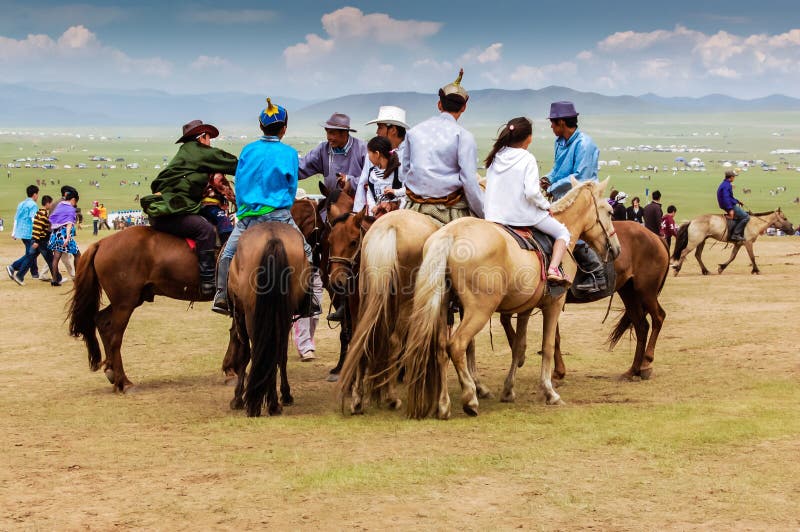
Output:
x=25 y=262
x=740 y=215
x=278 y=215
x=29 y=261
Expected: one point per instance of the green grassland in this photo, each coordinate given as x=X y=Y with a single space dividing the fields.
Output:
x=744 y=136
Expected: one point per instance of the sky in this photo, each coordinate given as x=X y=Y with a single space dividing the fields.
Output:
x=322 y=49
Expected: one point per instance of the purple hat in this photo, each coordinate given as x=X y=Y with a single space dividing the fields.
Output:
x=338 y=121
x=562 y=110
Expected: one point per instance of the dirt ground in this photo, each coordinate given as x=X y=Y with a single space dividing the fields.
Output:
x=711 y=441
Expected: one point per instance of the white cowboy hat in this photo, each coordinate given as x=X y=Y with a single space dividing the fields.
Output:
x=300 y=194
x=621 y=196
x=389 y=114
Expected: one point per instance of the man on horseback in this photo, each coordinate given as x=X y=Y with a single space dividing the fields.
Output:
x=339 y=159
x=440 y=162
x=175 y=203
x=576 y=156
x=266 y=185
x=732 y=207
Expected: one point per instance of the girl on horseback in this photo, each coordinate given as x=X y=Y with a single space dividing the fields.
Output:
x=383 y=178
x=513 y=196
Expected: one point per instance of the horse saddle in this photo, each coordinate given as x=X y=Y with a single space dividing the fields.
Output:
x=531 y=239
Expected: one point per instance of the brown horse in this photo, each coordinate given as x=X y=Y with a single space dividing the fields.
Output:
x=479 y=263
x=641 y=270
x=693 y=235
x=386 y=255
x=268 y=279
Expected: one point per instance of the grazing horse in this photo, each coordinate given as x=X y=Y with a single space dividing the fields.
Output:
x=641 y=270
x=479 y=263
x=268 y=279
x=389 y=254
x=693 y=235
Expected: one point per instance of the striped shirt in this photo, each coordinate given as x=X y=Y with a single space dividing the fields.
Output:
x=41 y=225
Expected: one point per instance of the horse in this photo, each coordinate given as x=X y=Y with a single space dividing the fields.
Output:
x=641 y=271
x=693 y=235
x=481 y=265
x=267 y=283
x=386 y=254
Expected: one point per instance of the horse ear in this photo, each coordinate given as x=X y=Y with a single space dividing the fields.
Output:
x=367 y=223
x=323 y=189
x=574 y=181
x=603 y=186
x=360 y=216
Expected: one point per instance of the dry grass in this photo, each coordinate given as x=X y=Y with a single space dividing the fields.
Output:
x=710 y=442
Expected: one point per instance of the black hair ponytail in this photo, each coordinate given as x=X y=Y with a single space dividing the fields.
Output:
x=515 y=131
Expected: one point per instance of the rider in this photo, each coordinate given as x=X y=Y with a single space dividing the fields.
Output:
x=576 y=156
x=266 y=184
x=440 y=161
x=513 y=196
x=732 y=207
x=383 y=176
x=217 y=198
x=178 y=189
x=339 y=159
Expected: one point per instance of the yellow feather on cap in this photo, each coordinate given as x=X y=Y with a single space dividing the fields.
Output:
x=271 y=109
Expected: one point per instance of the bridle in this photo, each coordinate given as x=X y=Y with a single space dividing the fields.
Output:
x=349 y=262
x=603 y=227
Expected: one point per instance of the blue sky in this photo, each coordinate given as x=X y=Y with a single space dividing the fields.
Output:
x=323 y=49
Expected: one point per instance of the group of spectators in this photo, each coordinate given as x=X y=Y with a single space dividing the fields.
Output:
x=651 y=216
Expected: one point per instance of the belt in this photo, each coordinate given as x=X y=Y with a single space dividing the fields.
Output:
x=449 y=200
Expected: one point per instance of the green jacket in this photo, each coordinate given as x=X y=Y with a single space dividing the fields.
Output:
x=181 y=183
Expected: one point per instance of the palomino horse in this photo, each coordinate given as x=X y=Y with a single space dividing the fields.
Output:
x=483 y=266
x=641 y=267
x=387 y=258
x=693 y=235
x=268 y=279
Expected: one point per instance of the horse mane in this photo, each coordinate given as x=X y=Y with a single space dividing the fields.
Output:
x=765 y=213
x=340 y=218
x=565 y=202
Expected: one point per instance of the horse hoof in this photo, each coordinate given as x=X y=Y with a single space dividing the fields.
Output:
x=757 y=272
x=645 y=374
x=332 y=377
x=287 y=401
x=109 y=373
x=395 y=404
x=556 y=402
x=484 y=392
x=357 y=410
x=130 y=389
x=471 y=411
x=628 y=376
x=705 y=272
x=276 y=410
x=237 y=404
x=508 y=397
x=521 y=361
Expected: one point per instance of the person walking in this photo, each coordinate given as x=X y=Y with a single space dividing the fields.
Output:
x=653 y=213
x=668 y=226
x=62 y=239
x=23 y=230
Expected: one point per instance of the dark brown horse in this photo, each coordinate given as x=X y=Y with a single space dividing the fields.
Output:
x=268 y=279
x=641 y=269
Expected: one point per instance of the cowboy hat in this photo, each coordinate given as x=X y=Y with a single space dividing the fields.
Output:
x=196 y=128
x=562 y=110
x=338 y=121
x=389 y=114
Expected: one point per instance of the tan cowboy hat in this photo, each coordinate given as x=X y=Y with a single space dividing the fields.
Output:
x=338 y=121
x=389 y=114
x=195 y=128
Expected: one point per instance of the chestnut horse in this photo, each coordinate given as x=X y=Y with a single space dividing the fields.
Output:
x=693 y=235
x=268 y=279
x=483 y=266
x=641 y=270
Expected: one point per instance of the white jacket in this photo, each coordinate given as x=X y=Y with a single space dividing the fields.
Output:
x=513 y=196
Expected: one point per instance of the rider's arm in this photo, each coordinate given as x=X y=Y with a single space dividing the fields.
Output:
x=468 y=170
x=531 y=183
x=586 y=155
x=311 y=163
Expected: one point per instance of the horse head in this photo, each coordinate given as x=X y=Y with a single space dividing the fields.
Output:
x=344 y=244
x=593 y=215
x=338 y=203
x=782 y=223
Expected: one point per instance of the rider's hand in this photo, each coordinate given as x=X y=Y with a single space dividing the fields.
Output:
x=730 y=213
x=544 y=183
x=388 y=190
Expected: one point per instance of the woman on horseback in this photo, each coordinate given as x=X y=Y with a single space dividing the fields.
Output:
x=175 y=203
x=513 y=196
x=383 y=178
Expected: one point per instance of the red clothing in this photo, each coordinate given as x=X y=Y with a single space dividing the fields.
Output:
x=668 y=227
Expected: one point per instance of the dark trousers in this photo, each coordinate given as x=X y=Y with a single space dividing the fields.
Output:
x=191 y=226
x=23 y=260
x=28 y=262
x=95 y=224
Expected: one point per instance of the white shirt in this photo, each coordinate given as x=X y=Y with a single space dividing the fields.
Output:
x=513 y=196
x=379 y=182
x=440 y=157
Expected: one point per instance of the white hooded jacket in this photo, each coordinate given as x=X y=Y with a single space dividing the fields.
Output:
x=513 y=196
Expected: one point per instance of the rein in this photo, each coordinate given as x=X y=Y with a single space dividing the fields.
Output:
x=350 y=262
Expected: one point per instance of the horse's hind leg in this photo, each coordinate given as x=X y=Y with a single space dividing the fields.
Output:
x=550 y=314
x=473 y=321
x=657 y=317
x=240 y=349
x=734 y=252
x=749 y=247
x=518 y=346
x=636 y=314
x=286 y=391
x=698 y=252
x=482 y=390
x=111 y=324
x=559 y=370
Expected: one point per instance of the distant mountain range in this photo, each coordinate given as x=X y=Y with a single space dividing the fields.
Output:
x=57 y=105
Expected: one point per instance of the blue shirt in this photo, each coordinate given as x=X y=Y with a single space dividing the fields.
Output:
x=574 y=157
x=725 y=196
x=23 y=220
x=266 y=177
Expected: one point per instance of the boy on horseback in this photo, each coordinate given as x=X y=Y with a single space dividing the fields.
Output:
x=175 y=203
x=266 y=185
x=732 y=207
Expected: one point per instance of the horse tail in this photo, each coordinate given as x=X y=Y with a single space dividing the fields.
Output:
x=681 y=241
x=425 y=359
x=620 y=329
x=378 y=312
x=272 y=320
x=84 y=305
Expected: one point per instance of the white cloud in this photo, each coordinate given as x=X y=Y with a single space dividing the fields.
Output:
x=531 y=76
x=233 y=16
x=315 y=47
x=205 y=62
x=491 y=54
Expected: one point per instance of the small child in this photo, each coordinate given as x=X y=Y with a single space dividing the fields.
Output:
x=62 y=239
x=668 y=227
x=217 y=198
x=382 y=179
x=513 y=196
